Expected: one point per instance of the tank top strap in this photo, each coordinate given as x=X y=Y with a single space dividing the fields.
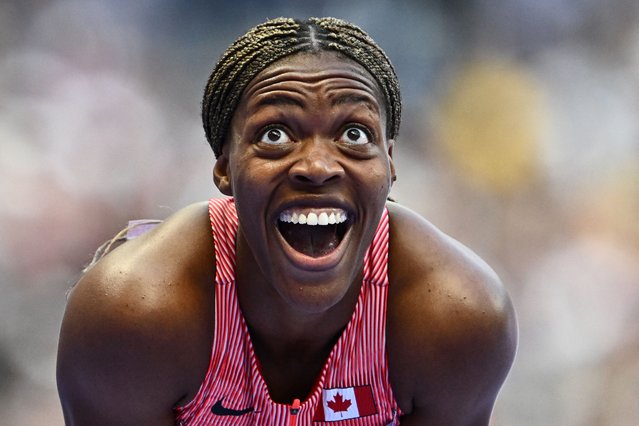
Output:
x=376 y=259
x=224 y=223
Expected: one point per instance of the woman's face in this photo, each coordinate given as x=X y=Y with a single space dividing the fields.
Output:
x=310 y=168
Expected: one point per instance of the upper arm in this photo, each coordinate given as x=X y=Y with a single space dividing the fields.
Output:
x=113 y=367
x=452 y=329
x=136 y=335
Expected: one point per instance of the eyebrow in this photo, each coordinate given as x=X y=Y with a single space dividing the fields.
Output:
x=278 y=100
x=354 y=99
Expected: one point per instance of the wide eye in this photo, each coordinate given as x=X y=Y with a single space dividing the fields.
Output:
x=274 y=136
x=355 y=136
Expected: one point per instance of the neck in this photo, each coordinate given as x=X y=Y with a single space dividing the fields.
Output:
x=298 y=317
x=291 y=345
x=285 y=329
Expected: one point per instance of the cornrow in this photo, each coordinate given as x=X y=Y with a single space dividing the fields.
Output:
x=281 y=37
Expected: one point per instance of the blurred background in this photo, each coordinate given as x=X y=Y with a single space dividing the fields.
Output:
x=520 y=138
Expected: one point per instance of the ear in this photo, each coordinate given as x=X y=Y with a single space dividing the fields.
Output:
x=221 y=175
x=393 y=176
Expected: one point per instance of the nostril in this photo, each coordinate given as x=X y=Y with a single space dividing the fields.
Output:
x=316 y=172
x=333 y=178
x=301 y=178
x=316 y=178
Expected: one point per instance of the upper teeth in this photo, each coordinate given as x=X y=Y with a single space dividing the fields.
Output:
x=314 y=217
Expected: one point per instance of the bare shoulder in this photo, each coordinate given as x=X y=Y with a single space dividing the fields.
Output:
x=452 y=331
x=136 y=333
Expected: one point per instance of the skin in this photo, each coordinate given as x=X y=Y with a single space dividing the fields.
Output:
x=309 y=131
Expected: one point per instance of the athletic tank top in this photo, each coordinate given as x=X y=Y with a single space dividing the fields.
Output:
x=353 y=387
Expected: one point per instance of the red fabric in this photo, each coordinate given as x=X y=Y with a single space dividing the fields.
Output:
x=358 y=360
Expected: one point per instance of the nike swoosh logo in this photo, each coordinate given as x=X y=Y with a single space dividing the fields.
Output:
x=220 y=410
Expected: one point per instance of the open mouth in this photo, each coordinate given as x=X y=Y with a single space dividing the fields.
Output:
x=313 y=232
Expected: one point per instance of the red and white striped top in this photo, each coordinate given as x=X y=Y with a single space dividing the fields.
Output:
x=353 y=388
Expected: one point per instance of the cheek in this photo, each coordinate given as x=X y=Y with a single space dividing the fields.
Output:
x=376 y=180
x=255 y=178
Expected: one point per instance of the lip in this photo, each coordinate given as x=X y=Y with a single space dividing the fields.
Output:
x=309 y=263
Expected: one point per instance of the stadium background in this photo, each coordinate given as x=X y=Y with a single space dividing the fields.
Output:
x=520 y=138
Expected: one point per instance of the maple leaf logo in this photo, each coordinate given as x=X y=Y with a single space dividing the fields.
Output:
x=339 y=404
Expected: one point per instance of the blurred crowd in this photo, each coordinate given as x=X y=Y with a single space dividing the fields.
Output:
x=520 y=138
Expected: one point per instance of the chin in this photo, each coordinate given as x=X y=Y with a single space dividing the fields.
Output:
x=314 y=292
x=315 y=299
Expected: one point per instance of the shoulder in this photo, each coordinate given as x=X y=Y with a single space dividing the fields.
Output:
x=451 y=325
x=143 y=309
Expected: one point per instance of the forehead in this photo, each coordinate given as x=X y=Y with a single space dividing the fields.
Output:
x=322 y=71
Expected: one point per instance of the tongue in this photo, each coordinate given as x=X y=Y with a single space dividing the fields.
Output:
x=313 y=241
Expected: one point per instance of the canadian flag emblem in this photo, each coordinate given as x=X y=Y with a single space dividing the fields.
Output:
x=345 y=403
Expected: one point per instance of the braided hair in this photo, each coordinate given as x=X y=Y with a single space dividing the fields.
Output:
x=281 y=37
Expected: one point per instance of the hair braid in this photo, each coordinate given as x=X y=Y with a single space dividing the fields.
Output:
x=277 y=38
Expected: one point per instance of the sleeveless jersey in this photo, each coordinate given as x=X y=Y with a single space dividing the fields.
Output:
x=353 y=387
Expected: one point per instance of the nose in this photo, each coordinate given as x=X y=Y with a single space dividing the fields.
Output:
x=317 y=164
